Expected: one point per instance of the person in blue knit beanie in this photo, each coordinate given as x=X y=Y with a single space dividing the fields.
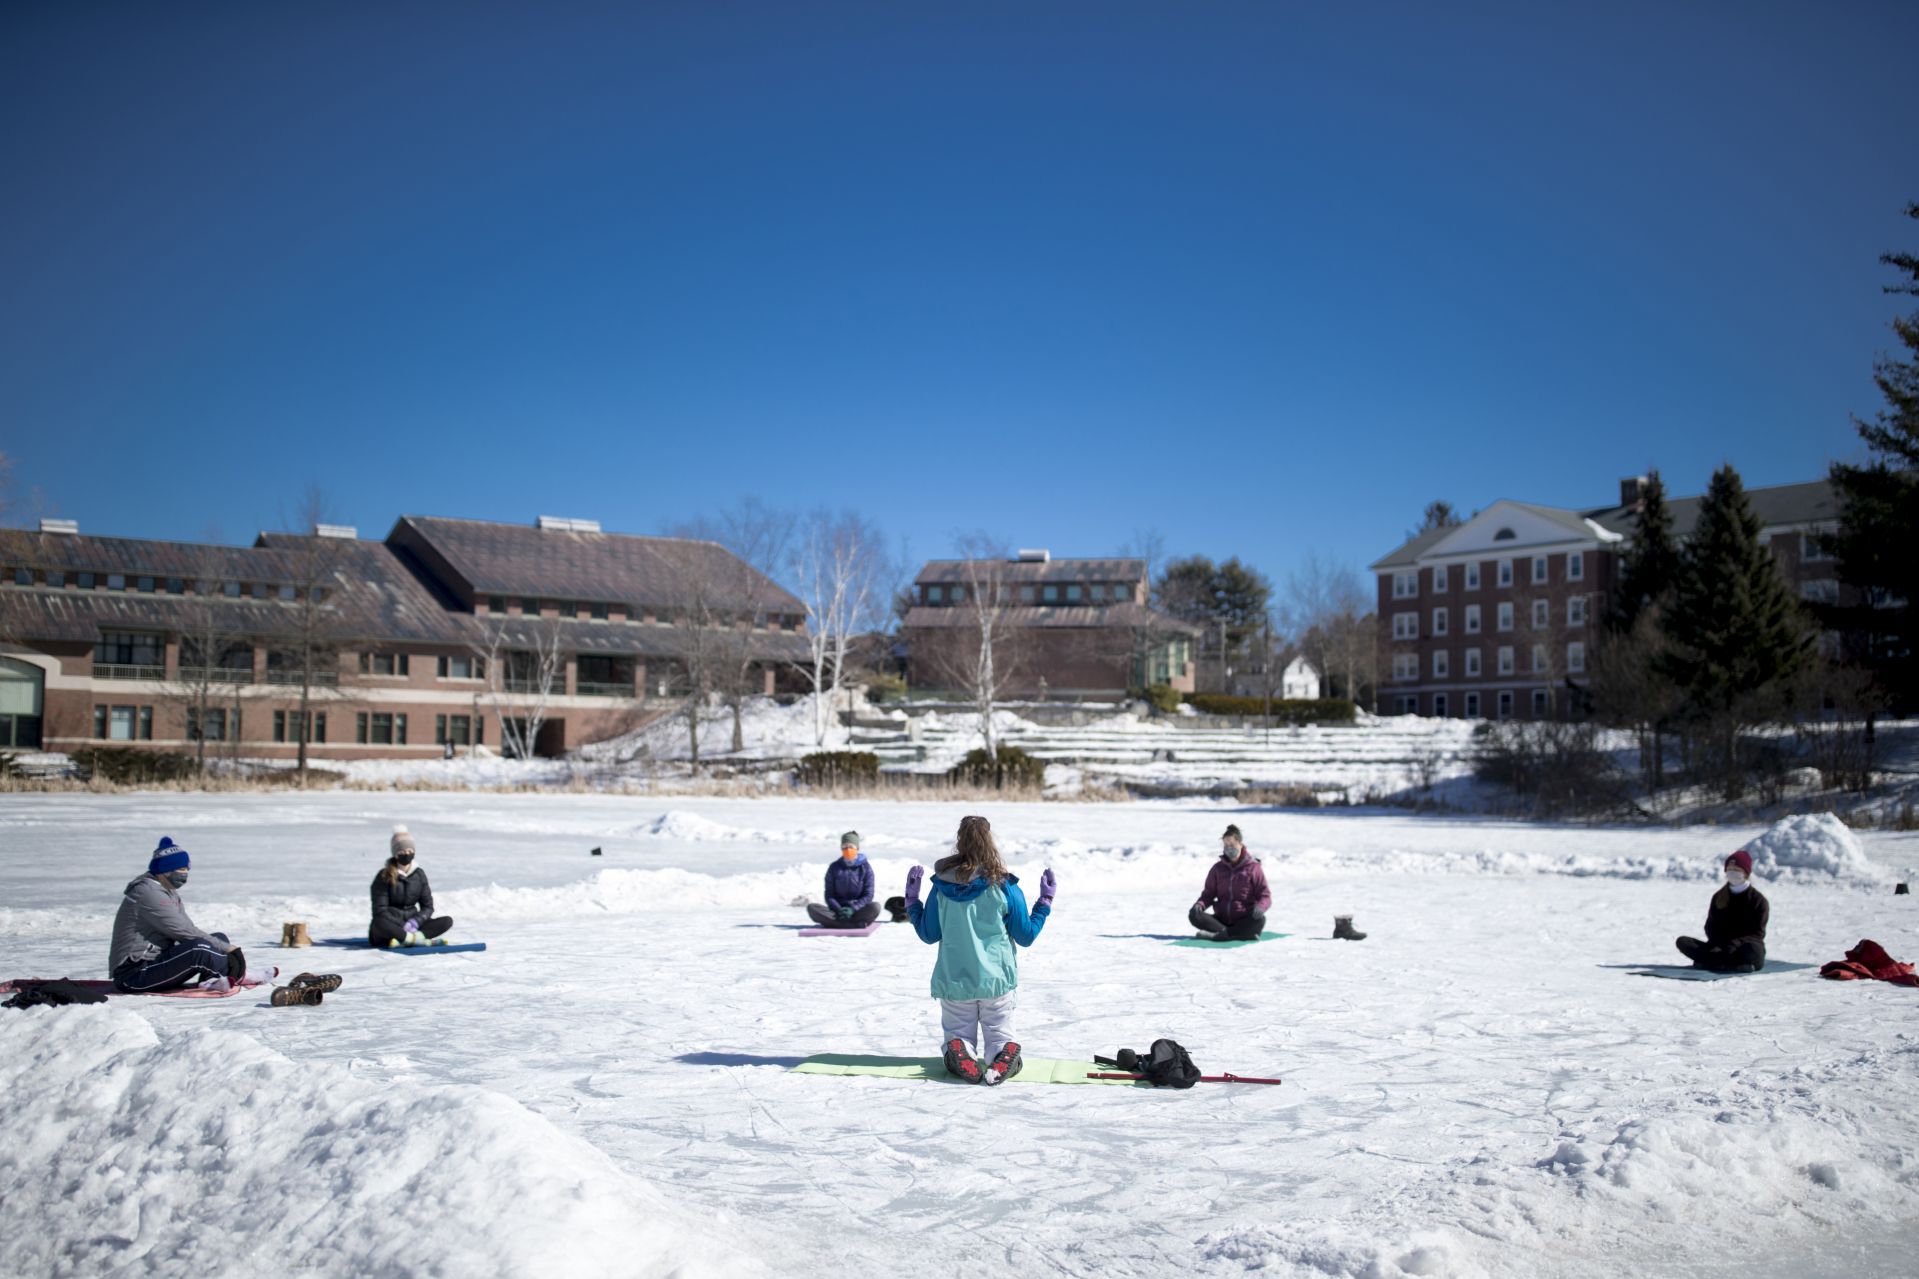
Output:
x=155 y=945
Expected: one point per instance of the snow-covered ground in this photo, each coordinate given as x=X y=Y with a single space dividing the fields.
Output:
x=1477 y=1089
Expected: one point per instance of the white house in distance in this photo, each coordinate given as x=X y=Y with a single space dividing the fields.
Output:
x=1299 y=681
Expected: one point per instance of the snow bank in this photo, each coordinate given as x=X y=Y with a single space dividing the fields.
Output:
x=215 y=1154
x=1817 y=844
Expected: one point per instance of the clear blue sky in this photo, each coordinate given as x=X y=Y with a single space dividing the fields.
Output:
x=1265 y=276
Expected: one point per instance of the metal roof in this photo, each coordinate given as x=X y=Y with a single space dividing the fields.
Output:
x=995 y=570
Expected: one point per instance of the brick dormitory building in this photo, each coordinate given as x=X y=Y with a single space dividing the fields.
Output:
x=1496 y=618
x=428 y=638
x=1066 y=628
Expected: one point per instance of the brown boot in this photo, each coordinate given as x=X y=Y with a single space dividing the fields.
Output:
x=295 y=934
x=289 y=996
x=325 y=983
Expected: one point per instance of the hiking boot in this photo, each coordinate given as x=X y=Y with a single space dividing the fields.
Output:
x=1343 y=929
x=960 y=1062
x=1004 y=1066
x=325 y=983
x=292 y=996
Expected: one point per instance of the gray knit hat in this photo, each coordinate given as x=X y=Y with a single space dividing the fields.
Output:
x=851 y=839
x=401 y=840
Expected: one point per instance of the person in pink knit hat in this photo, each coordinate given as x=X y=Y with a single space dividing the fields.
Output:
x=1735 y=924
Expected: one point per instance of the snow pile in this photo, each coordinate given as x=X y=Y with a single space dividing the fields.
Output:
x=211 y=1152
x=768 y=730
x=1815 y=844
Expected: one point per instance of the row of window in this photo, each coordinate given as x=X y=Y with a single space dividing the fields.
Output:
x=1408 y=704
x=1406 y=625
x=1406 y=665
x=222 y=724
x=1406 y=582
x=602 y=611
x=151 y=584
x=1030 y=593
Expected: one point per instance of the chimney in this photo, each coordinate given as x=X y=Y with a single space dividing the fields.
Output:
x=1632 y=490
x=1032 y=555
x=70 y=527
x=345 y=532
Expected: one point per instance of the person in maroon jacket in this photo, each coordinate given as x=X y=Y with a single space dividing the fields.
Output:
x=1235 y=892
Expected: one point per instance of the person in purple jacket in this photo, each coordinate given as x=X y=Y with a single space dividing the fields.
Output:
x=1233 y=905
x=849 y=889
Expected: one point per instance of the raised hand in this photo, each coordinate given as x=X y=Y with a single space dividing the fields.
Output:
x=913 y=883
x=1048 y=885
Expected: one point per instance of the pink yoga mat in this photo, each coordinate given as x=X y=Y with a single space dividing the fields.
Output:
x=867 y=931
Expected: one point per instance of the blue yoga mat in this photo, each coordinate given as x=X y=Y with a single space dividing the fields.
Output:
x=360 y=943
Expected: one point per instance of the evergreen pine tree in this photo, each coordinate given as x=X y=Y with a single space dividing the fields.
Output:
x=1735 y=639
x=1877 y=542
x=1650 y=566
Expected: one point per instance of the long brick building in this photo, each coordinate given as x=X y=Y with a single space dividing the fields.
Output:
x=429 y=640
x=1496 y=618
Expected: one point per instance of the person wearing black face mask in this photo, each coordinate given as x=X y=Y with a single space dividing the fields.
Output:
x=155 y=945
x=403 y=900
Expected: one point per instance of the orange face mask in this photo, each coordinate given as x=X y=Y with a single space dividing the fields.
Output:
x=849 y=853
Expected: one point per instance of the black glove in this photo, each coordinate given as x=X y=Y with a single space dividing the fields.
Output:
x=236 y=965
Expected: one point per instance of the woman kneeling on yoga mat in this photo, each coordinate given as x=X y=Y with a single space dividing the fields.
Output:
x=849 y=889
x=976 y=915
x=403 y=900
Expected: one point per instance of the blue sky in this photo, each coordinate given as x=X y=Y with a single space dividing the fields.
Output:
x=1264 y=277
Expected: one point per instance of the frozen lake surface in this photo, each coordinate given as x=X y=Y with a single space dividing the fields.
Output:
x=1480 y=1088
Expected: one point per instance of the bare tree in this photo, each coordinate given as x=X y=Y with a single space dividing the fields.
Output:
x=728 y=600
x=982 y=654
x=307 y=654
x=523 y=662
x=840 y=567
x=1325 y=604
x=216 y=658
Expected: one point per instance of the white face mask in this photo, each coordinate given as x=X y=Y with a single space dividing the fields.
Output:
x=1736 y=880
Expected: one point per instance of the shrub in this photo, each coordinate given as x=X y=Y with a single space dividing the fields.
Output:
x=1163 y=697
x=1314 y=710
x=838 y=768
x=885 y=688
x=129 y=764
x=1012 y=767
x=1555 y=769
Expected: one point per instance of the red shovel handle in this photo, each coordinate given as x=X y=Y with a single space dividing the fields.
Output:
x=1204 y=1079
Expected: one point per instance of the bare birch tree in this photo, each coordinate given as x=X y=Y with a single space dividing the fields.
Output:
x=1326 y=606
x=216 y=658
x=732 y=597
x=307 y=654
x=839 y=566
x=983 y=653
x=523 y=664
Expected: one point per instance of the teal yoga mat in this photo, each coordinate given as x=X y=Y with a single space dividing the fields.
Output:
x=1036 y=1070
x=1227 y=945
x=1681 y=972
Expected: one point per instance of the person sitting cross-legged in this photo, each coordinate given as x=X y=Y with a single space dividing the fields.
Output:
x=1235 y=891
x=155 y=945
x=1735 y=924
x=849 y=889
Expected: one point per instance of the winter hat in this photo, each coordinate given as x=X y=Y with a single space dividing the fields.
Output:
x=167 y=858
x=1743 y=860
x=851 y=839
x=401 y=841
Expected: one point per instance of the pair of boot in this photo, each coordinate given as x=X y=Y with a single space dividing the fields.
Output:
x=307 y=988
x=962 y=1065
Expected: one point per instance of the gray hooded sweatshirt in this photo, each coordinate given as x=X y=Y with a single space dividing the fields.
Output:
x=151 y=915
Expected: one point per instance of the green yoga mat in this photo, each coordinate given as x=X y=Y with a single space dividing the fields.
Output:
x=1227 y=945
x=1035 y=1070
x=1673 y=972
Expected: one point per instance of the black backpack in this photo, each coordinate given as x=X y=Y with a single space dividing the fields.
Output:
x=1164 y=1065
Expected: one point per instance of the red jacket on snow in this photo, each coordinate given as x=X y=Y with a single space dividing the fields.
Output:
x=1868 y=961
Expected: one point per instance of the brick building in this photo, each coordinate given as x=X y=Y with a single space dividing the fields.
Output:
x=427 y=637
x=1497 y=617
x=1068 y=627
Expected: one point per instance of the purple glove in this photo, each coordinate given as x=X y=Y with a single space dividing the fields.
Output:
x=1047 y=887
x=412 y=926
x=913 y=884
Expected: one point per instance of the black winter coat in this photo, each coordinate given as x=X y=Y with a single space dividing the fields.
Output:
x=1736 y=917
x=407 y=897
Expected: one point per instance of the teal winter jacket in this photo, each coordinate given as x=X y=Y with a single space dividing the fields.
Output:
x=975 y=926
